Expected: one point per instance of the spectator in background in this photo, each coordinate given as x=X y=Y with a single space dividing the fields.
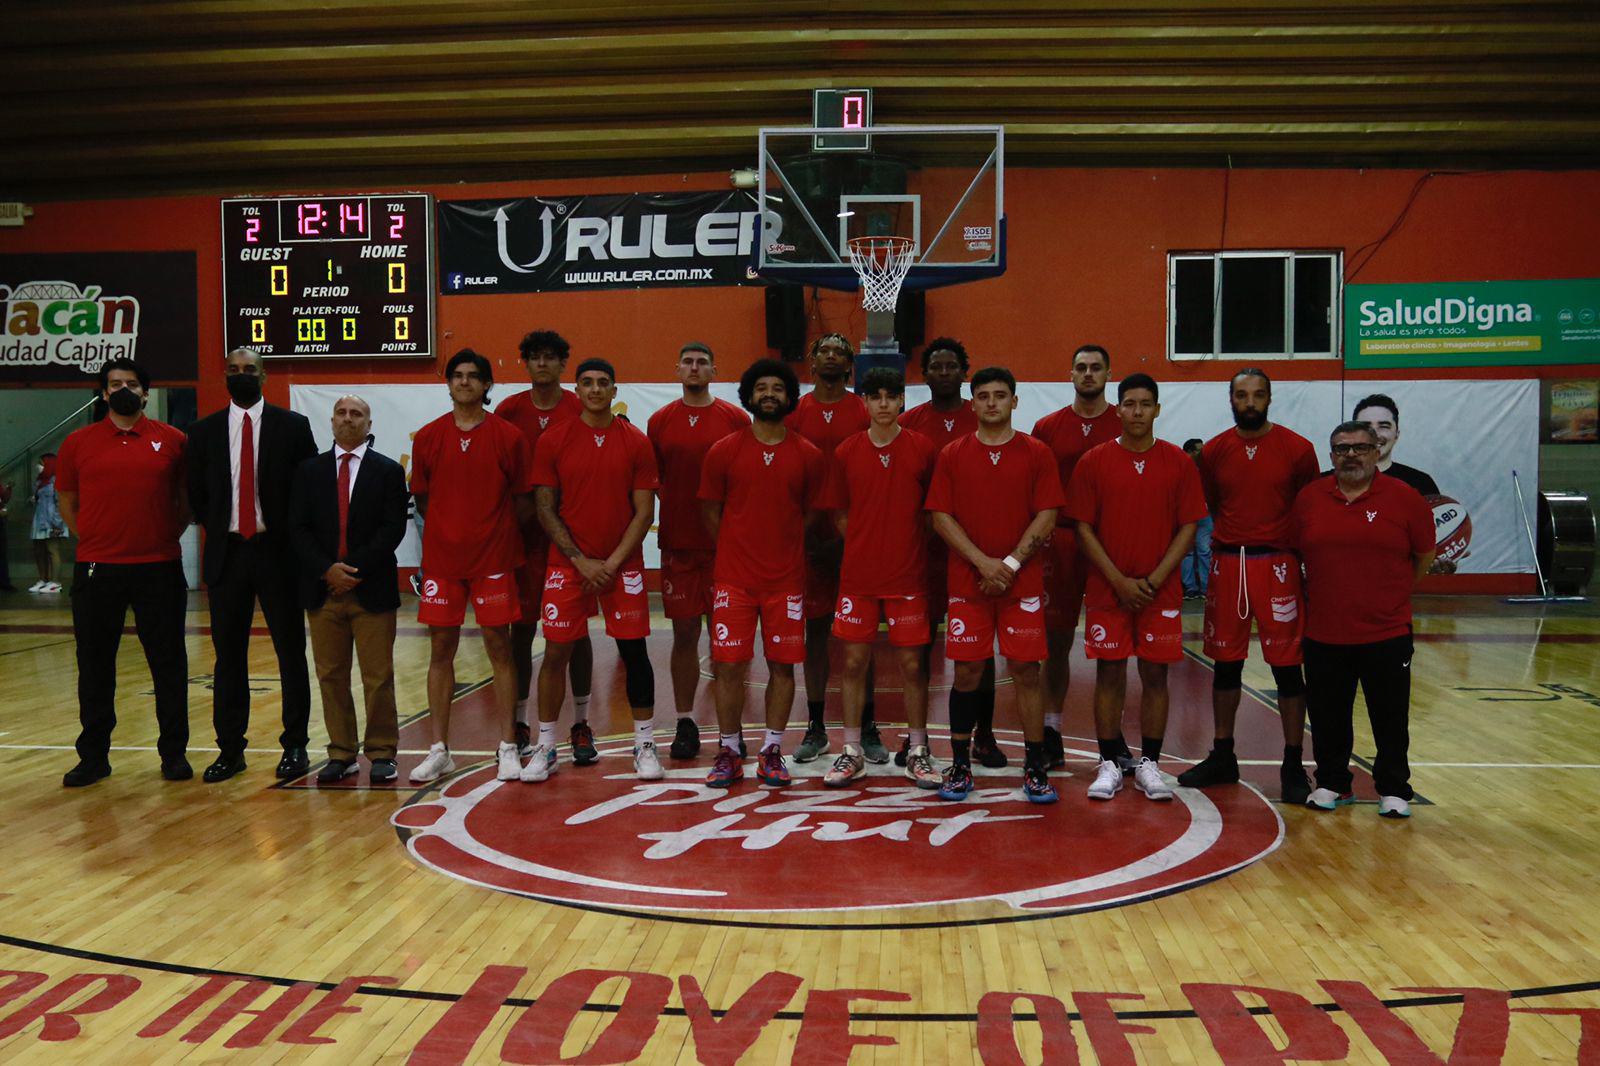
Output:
x=47 y=524
x=1196 y=568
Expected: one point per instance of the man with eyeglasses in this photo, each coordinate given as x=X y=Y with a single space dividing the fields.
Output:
x=1365 y=538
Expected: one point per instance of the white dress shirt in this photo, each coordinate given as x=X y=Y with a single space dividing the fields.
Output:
x=355 y=455
x=235 y=433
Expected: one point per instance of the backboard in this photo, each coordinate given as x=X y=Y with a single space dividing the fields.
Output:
x=941 y=186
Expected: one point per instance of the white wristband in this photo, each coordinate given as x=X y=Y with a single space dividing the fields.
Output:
x=1011 y=561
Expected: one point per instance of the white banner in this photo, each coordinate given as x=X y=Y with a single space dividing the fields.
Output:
x=1469 y=435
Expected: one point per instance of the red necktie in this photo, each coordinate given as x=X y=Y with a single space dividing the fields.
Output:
x=247 y=480
x=344 y=501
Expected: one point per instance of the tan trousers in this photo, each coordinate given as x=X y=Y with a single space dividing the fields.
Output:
x=338 y=625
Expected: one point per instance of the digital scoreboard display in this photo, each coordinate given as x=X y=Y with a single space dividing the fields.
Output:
x=329 y=276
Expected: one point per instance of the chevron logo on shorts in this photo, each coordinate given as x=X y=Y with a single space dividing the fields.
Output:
x=633 y=582
x=1170 y=614
x=794 y=607
x=1030 y=604
x=1285 y=608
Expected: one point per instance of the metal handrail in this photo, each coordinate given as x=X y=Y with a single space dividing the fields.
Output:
x=28 y=448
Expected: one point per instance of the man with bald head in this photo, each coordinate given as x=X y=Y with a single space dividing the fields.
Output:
x=242 y=460
x=347 y=514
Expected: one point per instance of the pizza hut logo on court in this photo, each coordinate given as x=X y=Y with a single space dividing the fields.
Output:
x=599 y=837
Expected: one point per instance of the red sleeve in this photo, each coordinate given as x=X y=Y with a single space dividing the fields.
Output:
x=652 y=432
x=1422 y=534
x=1045 y=492
x=646 y=474
x=544 y=460
x=519 y=462
x=941 y=492
x=1081 y=496
x=420 y=462
x=714 y=473
x=1305 y=467
x=1191 y=498
x=67 y=465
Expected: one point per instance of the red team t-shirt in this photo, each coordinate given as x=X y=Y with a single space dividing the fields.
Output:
x=993 y=492
x=1251 y=483
x=127 y=482
x=766 y=491
x=1070 y=436
x=881 y=490
x=681 y=436
x=470 y=477
x=827 y=424
x=534 y=423
x=941 y=427
x=1358 y=557
x=597 y=471
x=1135 y=501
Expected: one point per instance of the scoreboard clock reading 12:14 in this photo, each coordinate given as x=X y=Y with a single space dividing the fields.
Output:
x=325 y=276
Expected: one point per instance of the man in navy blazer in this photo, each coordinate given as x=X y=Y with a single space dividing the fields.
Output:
x=241 y=460
x=347 y=514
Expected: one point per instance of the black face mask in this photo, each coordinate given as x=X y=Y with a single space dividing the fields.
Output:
x=125 y=402
x=244 y=388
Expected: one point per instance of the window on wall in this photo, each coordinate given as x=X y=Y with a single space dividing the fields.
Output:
x=1253 y=305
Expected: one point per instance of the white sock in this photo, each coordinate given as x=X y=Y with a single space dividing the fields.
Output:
x=1053 y=720
x=438 y=745
x=919 y=738
x=644 y=731
x=685 y=714
x=580 y=709
x=505 y=746
x=732 y=742
x=774 y=739
x=852 y=735
x=547 y=734
x=522 y=712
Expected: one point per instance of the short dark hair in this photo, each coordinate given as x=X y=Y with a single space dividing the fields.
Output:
x=1138 y=381
x=1353 y=427
x=467 y=355
x=768 y=368
x=697 y=346
x=1251 y=372
x=993 y=373
x=1377 y=399
x=946 y=344
x=1192 y=442
x=544 y=340
x=596 y=364
x=122 y=362
x=883 y=379
x=1092 y=348
x=849 y=348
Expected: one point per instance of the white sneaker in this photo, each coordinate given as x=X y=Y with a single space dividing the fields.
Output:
x=510 y=768
x=541 y=764
x=1393 y=807
x=37 y=586
x=1326 y=799
x=1147 y=779
x=646 y=763
x=1107 y=780
x=53 y=586
x=437 y=763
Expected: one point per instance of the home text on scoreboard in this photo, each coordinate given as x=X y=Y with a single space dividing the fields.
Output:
x=329 y=276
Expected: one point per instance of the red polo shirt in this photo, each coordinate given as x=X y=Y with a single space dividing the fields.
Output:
x=127 y=482
x=1358 y=557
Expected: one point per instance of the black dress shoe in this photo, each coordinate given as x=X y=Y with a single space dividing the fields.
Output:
x=85 y=773
x=293 y=764
x=383 y=771
x=335 y=771
x=177 y=769
x=225 y=767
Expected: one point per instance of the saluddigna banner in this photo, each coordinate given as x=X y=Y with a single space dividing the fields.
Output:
x=1484 y=323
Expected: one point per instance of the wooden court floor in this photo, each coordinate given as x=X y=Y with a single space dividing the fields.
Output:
x=594 y=919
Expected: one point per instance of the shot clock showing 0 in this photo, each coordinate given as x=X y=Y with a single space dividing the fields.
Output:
x=329 y=276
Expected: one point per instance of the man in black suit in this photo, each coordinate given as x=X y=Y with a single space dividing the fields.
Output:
x=241 y=462
x=347 y=514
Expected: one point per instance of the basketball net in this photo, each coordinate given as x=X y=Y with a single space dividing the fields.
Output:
x=882 y=264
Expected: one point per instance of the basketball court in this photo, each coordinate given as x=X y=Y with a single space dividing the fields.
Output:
x=594 y=918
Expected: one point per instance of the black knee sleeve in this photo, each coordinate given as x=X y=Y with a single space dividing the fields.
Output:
x=1227 y=677
x=641 y=676
x=1291 y=682
x=963 y=712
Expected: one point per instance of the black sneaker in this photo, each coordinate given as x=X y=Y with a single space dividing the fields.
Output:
x=1054 y=750
x=1296 y=784
x=383 y=771
x=872 y=744
x=1218 y=768
x=686 y=744
x=337 y=770
x=583 y=749
x=905 y=750
x=177 y=769
x=85 y=774
x=987 y=752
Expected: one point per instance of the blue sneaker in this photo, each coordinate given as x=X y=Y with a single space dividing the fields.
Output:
x=1037 y=787
x=957 y=782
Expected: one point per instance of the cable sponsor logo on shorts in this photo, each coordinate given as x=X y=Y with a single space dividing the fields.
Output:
x=956 y=629
x=847 y=606
x=551 y=612
x=1097 y=634
x=430 y=590
x=722 y=632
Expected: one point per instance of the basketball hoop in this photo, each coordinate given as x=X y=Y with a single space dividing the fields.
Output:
x=882 y=264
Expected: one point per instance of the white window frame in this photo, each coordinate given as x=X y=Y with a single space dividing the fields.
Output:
x=1335 y=303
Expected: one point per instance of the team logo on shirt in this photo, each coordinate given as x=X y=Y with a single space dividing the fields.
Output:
x=155 y=446
x=827 y=416
x=1370 y=516
x=599 y=440
x=1281 y=572
x=767 y=457
x=1138 y=465
x=466 y=442
x=884 y=459
x=1250 y=450
x=994 y=458
x=544 y=421
x=693 y=419
x=949 y=425
x=1085 y=427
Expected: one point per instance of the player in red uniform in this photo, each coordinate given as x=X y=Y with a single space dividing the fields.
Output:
x=544 y=355
x=942 y=419
x=759 y=487
x=1087 y=422
x=681 y=433
x=1136 y=501
x=877 y=483
x=472 y=476
x=994 y=498
x=1251 y=475
x=595 y=496
x=826 y=416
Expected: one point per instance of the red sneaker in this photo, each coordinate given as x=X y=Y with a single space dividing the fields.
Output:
x=770 y=768
x=727 y=771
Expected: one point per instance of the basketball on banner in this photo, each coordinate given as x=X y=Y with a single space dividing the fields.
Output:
x=1452 y=527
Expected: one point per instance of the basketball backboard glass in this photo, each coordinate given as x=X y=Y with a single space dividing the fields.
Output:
x=943 y=187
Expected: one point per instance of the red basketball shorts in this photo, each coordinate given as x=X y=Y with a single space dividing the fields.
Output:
x=855 y=618
x=444 y=600
x=686 y=583
x=733 y=625
x=1266 y=589
x=974 y=624
x=1154 y=634
x=567 y=605
x=1065 y=573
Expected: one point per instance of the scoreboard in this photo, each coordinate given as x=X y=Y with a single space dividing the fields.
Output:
x=329 y=276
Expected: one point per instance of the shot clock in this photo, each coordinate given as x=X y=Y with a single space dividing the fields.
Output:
x=329 y=276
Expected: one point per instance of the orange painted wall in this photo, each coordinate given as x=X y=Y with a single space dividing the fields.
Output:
x=1087 y=262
